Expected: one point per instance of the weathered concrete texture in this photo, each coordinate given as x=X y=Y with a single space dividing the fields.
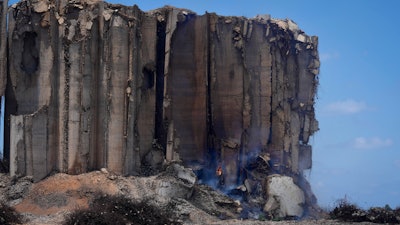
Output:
x=3 y=45
x=92 y=65
x=257 y=79
x=285 y=199
x=30 y=154
x=115 y=87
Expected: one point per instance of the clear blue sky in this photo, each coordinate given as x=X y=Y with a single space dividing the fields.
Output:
x=356 y=152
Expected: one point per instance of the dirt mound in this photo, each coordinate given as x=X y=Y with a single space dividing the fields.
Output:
x=63 y=192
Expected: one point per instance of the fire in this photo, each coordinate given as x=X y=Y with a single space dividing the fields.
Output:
x=219 y=171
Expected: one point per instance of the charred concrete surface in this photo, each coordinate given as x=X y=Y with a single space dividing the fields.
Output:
x=93 y=85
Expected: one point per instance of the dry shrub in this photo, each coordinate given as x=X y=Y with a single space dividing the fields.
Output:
x=8 y=215
x=382 y=215
x=348 y=212
x=397 y=211
x=118 y=210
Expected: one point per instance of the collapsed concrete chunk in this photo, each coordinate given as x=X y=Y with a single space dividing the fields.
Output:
x=264 y=17
x=285 y=199
x=40 y=6
x=182 y=173
x=180 y=186
x=293 y=26
x=301 y=38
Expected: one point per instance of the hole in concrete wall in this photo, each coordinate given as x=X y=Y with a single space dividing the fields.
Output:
x=30 y=54
x=148 y=76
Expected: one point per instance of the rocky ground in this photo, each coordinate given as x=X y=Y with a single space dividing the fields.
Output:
x=175 y=190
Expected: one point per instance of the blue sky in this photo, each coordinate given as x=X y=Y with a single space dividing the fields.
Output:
x=356 y=152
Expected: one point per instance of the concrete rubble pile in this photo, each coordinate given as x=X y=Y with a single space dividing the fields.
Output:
x=95 y=85
x=173 y=191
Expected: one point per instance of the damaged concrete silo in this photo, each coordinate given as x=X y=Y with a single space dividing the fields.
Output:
x=3 y=45
x=93 y=85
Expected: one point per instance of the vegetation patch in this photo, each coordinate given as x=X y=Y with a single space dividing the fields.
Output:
x=349 y=212
x=118 y=210
x=383 y=215
x=8 y=215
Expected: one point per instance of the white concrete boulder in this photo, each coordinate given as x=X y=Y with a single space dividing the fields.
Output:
x=285 y=198
x=180 y=184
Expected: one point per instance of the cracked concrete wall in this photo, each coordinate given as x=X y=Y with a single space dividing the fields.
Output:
x=89 y=64
x=116 y=87
x=243 y=88
x=3 y=45
x=30 y=153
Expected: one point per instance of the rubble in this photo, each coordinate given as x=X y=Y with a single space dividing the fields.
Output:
x=176 y=187
x=62 y=197
x=8 y=215
x=285 y=199
x=182 y=187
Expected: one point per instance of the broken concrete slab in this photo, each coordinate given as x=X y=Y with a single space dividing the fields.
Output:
x=285 y=198
x=40 y=6
x=182 y=184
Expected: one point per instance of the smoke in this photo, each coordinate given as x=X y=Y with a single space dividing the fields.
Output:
x=250 y=166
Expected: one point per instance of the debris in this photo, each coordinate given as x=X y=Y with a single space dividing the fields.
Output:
x=292 y=26
x=107 y=14
x=40 y=6
x=230 y=143
x=301 y=38
x=265 y=157
x=104 y=170
x=285 y=199
x=242 y=188
x=264 y=17
x=185 y=174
